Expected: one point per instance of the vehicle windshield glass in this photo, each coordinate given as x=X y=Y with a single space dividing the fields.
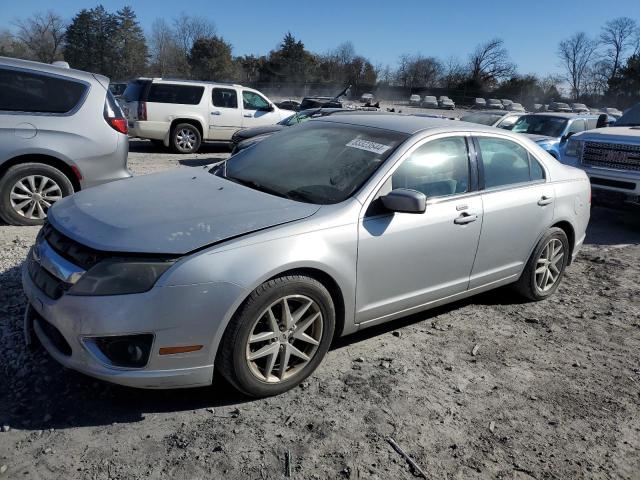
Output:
x=297 y=117
x=540 y=125
x=317 y=162
x=481 y=118
x=631 y=118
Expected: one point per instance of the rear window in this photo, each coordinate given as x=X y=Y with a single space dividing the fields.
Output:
x=22 y=91
x=168 y=93
x=224 y=98
x=133 y=92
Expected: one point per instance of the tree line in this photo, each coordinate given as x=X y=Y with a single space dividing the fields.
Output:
x=605 y=67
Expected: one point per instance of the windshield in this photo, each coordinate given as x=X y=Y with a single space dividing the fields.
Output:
x=318 y=162
x=631 y=117
x=298 y=117
x=540 y=125
x=482 y=118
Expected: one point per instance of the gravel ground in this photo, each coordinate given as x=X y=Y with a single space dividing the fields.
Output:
x=551 y=391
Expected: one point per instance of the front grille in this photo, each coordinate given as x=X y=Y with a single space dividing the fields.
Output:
x=611 y=155
x=50 y=285
x=54 y=336
x=71 y=250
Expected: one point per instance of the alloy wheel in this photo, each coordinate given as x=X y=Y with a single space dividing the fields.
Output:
x=33 y=195
x=549 y=265
x=185 y=139
x=284 y=338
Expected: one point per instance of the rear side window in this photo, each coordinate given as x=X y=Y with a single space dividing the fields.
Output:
x=22 y=91
x=168 y=93
x=505 y=162
x=438 y=168
x=224 y=98
x=576 y=126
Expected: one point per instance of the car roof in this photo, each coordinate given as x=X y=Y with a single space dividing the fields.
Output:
x=188 y=82
x=565 y=115
x=408 y=124
x=488 y=112
x=53 y=69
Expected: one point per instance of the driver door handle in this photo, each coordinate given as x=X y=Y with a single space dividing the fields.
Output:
x=248 y=115
x=217 y=112
x=465 y=218
x=544 y=200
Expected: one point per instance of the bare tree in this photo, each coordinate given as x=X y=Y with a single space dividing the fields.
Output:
x=188 y=29
x=42 y=35
x=617 y=36
x=454 y=73
x=576 y=54
x=490 y=63
x=164 y=50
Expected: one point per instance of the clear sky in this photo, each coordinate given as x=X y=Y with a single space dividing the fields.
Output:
x=379 y=30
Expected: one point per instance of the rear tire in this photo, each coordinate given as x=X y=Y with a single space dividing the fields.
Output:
x=546 y=266
x=185 y=138
x=28 y=190
x=254 y=365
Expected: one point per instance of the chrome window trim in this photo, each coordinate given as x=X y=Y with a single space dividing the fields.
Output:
x=30 y=71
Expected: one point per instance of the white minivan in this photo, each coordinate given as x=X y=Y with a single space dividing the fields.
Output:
x=181 y=114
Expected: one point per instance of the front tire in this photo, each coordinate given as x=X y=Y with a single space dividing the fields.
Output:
x=185 y=138
x=278 y=336
x=28 y=190
x=546 y=266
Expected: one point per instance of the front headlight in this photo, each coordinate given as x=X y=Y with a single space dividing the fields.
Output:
x=120 y=276
x=574 y=147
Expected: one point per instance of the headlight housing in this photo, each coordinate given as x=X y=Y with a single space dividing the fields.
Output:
x=121 y=276
x=574 y=147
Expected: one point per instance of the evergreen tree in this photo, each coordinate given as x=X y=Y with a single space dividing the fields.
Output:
x=210 y=59
x=131 y=51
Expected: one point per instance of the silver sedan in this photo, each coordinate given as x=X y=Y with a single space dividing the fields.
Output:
x=253 y=266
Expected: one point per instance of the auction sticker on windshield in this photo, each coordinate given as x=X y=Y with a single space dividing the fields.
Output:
x=368 y=145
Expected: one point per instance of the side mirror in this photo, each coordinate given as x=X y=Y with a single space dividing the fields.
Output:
x=270 y=108
x=567 y=136
x=403 y=200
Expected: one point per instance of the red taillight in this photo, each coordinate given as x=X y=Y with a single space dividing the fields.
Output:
x=119 y=124
x=142 y=110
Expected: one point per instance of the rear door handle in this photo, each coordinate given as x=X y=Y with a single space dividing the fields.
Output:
x=465 y=218
x=544 y=200
x=217 y=112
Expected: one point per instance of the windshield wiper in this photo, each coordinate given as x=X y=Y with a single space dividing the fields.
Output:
x=257 y=186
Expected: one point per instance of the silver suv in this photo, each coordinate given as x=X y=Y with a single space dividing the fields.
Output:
x=61 y=131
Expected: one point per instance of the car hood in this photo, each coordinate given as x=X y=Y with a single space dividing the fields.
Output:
x=171 y=213
x=612 y=134
x=254 y=131
x=540 y=138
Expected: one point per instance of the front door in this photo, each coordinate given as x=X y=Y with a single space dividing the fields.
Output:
x=518 y=205
x=257 y=110
x=408 y=260
x=225 y=116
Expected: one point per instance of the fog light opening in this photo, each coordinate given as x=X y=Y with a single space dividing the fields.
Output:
x=129 y=351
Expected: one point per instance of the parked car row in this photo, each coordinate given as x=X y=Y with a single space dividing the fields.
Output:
x=430 y=101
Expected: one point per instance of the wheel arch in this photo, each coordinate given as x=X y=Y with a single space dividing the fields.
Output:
x=191 y=121
x=330 y=284
x=45 y=159
x=569 y=231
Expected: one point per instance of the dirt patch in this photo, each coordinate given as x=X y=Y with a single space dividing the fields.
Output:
x=553 y=390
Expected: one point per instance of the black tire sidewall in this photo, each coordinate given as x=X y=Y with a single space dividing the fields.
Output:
x=182 y=126
x=242 y=377
x=17 y=172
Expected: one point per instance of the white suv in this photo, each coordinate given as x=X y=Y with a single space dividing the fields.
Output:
x=181 y=114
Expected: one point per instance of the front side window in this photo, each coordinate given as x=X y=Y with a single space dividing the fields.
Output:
x=172 y=93
x=438 y=168
x=315 y=162
x=253 y=101
x=576 y=126
x=508 y=122
x=540 y=125
x=505 y=162
x=224 y=98
x=22 y=91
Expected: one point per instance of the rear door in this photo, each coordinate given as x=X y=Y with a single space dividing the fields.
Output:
x=408 y=260
x=132 y=96
x=518 y=206
x=257 y=110
x=225 y=116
